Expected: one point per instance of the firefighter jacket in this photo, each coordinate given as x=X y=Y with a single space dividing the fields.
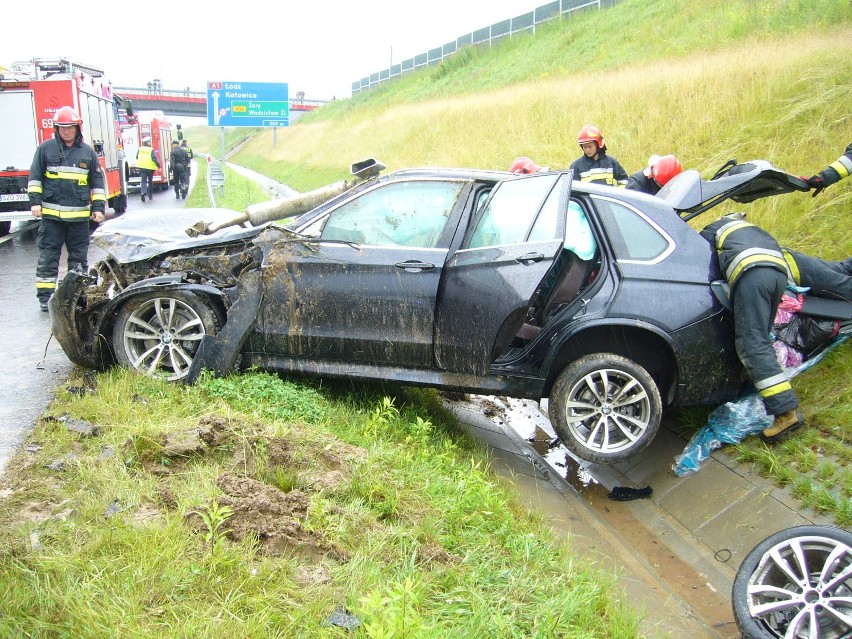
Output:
x=604 y=170
x=67 y=181
x=741 y=245
x=178 y=158
x=838 y=170
x=188 y=152
x=641 y=182
x=146 y=159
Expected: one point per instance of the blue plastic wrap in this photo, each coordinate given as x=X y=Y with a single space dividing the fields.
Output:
x=732 y=422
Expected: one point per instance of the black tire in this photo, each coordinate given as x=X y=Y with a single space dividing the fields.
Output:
x=605 y=408
x=792 y=584
x=159 y=333
x=5 y=227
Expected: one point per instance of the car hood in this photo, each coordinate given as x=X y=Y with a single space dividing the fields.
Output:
x=689 y=195
x=140 y=235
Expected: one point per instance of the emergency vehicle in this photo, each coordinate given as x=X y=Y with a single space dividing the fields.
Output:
x=134 y=128
x=30 y=94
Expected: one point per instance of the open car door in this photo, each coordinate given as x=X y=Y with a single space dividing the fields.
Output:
x=690 y=196
x=488 y=284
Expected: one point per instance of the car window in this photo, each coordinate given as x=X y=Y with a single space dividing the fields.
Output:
x=398 y=214
x=512 y=215
x=634 y=236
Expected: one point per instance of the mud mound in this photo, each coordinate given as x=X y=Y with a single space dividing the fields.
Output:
x=273 y=517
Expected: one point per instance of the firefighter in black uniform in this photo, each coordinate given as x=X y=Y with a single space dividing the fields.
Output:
x=834 y=172
x=189 y=156
x=595 y=165
x=66 y=190
x=758 y=270
x=179 y=163
x=657 y=174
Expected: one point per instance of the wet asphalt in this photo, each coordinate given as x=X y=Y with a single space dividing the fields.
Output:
x=33 y=365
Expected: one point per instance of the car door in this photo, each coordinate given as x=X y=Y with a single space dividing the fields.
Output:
x=487 y=285
x=364 y=291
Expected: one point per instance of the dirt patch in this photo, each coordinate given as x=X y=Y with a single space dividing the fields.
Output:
x=271 y=516
x=211 y=431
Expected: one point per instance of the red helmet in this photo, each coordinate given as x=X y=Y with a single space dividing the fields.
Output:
x=591 y=133
x=524 y=166
x=665 y=169
x=66 y=116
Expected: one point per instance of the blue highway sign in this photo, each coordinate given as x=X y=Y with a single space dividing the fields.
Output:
x=262 y=104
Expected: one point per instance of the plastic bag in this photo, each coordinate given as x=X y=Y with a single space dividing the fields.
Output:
x=732 y=422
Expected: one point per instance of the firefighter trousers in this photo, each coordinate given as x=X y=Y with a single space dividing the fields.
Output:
x=52 y=235
x=146 y=187
x=756 y=297
x=827 y=279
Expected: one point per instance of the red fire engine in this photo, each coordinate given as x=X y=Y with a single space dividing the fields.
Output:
x=134 y=128
x=30 y=94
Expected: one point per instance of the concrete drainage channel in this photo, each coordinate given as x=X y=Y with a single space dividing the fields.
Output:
x=677 y=550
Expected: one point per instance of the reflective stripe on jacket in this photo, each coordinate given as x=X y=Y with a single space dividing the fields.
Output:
x=604 y=170
x=741 y=245
x=66 y=181
x=838 y=170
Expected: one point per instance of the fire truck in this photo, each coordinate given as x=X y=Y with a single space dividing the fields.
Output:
x=30 y=94
x=134 y=128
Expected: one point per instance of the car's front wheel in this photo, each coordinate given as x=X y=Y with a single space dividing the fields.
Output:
x=159 y=333
x=796 y=583
x=605 y=408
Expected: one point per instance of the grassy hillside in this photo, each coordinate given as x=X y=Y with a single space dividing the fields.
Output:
x=707 y=81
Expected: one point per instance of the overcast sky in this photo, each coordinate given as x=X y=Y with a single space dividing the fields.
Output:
x=316 y=46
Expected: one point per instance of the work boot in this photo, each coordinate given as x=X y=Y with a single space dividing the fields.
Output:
x=143 y=197
x=43 y=305
x=784 y=424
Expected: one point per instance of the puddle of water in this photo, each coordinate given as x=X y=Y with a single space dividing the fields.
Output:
x=528 y=420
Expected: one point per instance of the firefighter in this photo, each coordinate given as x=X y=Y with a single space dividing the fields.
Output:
x=758 y=271
x=189 y=155
x=179 y=163
x=656 y=175
x=523 y=166
x=66 y=190
x=834 y=172
x=595 y=165
x=147 y=162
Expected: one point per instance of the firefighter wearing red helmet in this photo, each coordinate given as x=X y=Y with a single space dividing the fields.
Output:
x=523 y=166
x=595 y=165
x=66 y=190
x=656 y=175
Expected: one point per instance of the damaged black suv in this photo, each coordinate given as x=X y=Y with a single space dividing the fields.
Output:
x=470 y=280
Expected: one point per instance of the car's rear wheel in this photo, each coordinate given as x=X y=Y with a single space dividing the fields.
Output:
x=605 y=408
x=159 y=333
x=796 y=583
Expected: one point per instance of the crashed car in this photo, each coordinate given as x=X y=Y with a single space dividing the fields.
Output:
x=530 y=286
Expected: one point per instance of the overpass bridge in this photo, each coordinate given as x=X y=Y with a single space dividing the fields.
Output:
x=187 y=103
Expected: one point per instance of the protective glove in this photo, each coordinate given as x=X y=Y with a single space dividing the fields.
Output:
x=816 y=184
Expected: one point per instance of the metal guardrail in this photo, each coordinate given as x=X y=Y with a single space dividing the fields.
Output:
x=525 y=23
x=215 y=180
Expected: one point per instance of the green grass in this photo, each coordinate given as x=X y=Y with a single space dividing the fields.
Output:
x=416 y=537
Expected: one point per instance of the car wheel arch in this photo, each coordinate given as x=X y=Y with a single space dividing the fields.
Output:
x=640 y=342
x=214 y=296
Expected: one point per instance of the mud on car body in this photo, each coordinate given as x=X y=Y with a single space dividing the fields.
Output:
x=468 y=280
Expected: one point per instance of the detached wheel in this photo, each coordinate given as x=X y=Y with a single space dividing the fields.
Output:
x=158 y=334
x=605 y=408
x=796 y=583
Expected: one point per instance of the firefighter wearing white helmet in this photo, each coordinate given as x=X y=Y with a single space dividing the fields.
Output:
x=66 y=190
